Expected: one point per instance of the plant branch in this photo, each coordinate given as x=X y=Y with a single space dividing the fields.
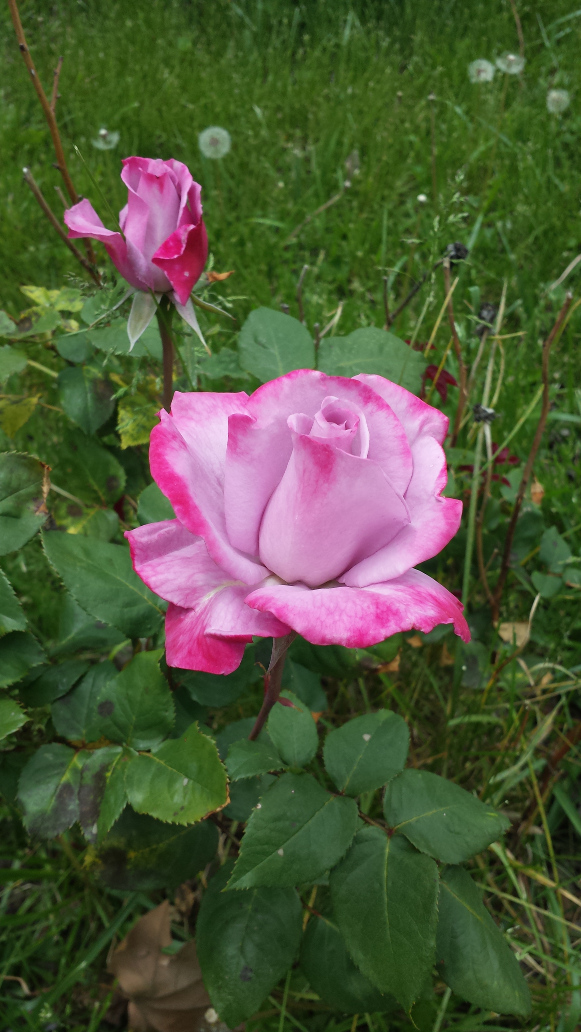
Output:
x=49 y=112
x=309 y=218
x=458 y=349
x=531 y=458
x=412 y=293
x=164 y=314
x=34 y=187
x=272 y=681
x=521 y=41
x=55 y=85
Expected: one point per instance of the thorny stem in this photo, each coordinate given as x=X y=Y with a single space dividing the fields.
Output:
x=55 y=85
x=48 y=110
x=164 y=314
x=458 y=350
x=272 y=681
x=532 y=456
x=31 y=182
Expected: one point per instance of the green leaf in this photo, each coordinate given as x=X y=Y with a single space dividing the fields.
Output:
x=245 y=796
x=554 y=550
x=372 y=350
x=547 y=584
x=11 y=361
x=11 y=716
x=439 y=817
x=44 y=686
x=306 y=684
x=21 y=498
x=136 y=706
x=385 y=902
x=76 y=348
x=94 y=772
x=142 y=853
x=246 y=942
x=86 y=399
x=19 y=652
x=88 y=470
x=78 y=630
x=473 y=956
x=48 y=790
x=326 y=963
x=100 y=577
x=220 y=364
x=298 y=833
x=115 y=340
x=181 y=781
x=328 y=660
x=7 y=326
x=153 y=506
x=272 y=343
x=217 y=689
x=367 y=751
x=76 y=715
x=293 y=731
x=247 y=759
x=12 y=617
x=114 y=798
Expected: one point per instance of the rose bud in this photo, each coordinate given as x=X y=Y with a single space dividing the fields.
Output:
x=162 y=247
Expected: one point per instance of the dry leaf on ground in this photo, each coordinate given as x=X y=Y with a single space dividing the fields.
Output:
x=166 y=992
x=517 y=632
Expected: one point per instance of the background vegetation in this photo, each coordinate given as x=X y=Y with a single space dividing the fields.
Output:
x=315 y=94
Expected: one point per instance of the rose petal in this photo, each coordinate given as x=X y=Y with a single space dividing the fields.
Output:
x=434 y=521
x=415 y=415
x=182 y=258
x=83 y=221
x=206 y=607
x=304 y=390
x=187 y=456
x=256 y=459
x=359 y=617
x=329 y=509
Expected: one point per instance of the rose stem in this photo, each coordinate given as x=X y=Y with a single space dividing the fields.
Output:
x=273 y=681
x=499 y=588
x=164 y=314
x=458 y=350
x=49 y=111
x=31 y=182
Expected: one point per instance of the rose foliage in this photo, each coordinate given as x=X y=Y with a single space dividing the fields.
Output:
x=301 y=510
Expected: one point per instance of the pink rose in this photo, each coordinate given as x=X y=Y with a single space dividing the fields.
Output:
x=164 y=245
x=304 y=507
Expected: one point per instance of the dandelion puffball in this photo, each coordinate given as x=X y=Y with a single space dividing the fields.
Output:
x=214 y=142
x=106 y=140
x=558 y=101
x=481 y=70
x=511 y=63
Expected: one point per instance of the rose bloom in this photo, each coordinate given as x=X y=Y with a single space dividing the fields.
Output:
x=303 y=507
x=163 y=246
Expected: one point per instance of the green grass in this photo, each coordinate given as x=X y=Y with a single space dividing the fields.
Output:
x=300 y=88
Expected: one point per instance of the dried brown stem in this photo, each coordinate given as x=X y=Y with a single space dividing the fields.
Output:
x=531 y=458
x=48 y=110
x=34 y=187
x=386 y=301
x=458 y=349
x=304 y=271
x=551 y=771
x=417 y=286
x=313 y=215
x=55 y=85
x=521 y=39
x=272 y=681
x=61 y=197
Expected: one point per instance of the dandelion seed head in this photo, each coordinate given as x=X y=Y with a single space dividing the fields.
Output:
x=214 y=142
x=481 y=70
x=105 y=140
x=513 y=64
x=558 y=101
